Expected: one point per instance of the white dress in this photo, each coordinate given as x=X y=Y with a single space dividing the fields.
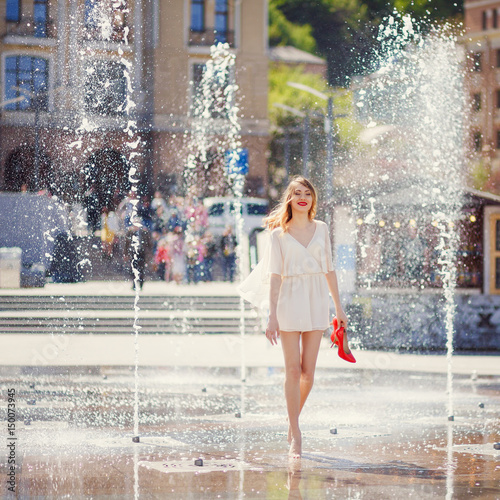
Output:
x=304 y=300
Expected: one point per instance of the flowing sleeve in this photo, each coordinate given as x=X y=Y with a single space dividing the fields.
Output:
x=328 y=251
x=275 y=255
x=256 y=287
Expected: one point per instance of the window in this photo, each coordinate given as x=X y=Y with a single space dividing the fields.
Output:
x=31 y=74
x=477 y=141
x=217 y=209
x=477 y=59
x=91 y=14
x=476 y=102
x=198 y=15
x=13 y=11
x=216 y=90
x=106 y=88
x=485 y=20
x=256 y=209
x=105 y=20
x=498 y=139
x=221 y=21
x=40 y=18
x=495 y=18
x=198 y=70
x=494 y=253
x=211 y=22
x=498 y=98
x=232 y=208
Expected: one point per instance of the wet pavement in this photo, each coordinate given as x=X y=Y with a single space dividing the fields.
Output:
x=368 y=433
x=378 y=429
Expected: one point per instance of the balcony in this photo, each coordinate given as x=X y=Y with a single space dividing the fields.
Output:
x=208 y=37
x=30 y=28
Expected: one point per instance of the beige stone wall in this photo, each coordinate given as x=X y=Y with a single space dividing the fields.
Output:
x=165 y=86
x=170 y=154
x=474 y=14
x=173 y=69
x=174 y=57
x=55 y=143
x=487 y=81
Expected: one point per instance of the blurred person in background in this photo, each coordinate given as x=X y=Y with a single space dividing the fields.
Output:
x=163 y=258
x=110 y=226
x=178 y=253
x=228 y=249
x=211 y=250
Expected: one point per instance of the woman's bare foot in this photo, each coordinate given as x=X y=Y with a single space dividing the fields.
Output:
x=295 y=446
x=294 y=477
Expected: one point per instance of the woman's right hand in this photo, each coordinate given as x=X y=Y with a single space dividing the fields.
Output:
x=272 y=331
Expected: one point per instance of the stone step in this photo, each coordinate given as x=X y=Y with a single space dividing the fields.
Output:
x=150 y=324
x=204 y=312
x=101 y=302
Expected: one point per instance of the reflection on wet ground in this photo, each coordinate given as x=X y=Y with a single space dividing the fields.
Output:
x=367 y=434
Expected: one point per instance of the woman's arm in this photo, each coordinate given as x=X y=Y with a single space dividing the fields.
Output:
x=273 y=329
x=331 y=278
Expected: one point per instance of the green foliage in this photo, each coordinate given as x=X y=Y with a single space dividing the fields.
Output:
x=281 y=93
x=286 y=126
x=437 y=9
x=340 y=28
x=284 y=32
x=345 y=30
x=480 y=174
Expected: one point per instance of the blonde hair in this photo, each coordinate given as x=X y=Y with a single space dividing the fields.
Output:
x=282 y=214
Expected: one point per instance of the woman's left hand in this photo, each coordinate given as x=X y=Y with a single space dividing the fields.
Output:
x=342 y=319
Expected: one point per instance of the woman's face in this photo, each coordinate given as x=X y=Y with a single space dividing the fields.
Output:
x=302 y=199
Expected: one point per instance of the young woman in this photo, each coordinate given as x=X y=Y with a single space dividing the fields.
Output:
x=300 y=274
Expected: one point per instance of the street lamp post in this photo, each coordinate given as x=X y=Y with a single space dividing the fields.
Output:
x=328 y=131
x=287 y=154
x=329 y=148
x=305 y=139
x=305 y=146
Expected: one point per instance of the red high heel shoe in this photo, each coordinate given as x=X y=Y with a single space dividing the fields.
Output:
x=337 y=337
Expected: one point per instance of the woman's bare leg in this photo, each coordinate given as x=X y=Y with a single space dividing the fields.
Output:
x=290 y=343
x=311 y=342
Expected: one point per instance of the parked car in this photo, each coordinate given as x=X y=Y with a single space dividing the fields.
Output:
x=222 y=212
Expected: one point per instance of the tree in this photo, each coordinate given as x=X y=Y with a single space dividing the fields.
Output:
x=284 y=32
x=345 y=31
x=287 y=129
x=423 y=9
x=341 y=29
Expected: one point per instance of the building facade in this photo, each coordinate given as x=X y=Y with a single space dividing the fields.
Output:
x=482 y=39
x=93 y=87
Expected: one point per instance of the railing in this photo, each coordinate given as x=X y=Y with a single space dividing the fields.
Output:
x=210 y=37
x=30 y=27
